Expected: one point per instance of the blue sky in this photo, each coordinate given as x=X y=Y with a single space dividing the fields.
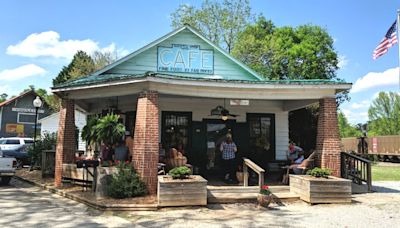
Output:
x=38 y=37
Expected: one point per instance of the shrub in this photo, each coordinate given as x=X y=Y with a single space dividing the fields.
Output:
x=181 y=172
x=318 y=172
x=126 y=183
x=47 y=142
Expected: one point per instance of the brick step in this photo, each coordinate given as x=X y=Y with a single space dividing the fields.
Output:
x=248 y=197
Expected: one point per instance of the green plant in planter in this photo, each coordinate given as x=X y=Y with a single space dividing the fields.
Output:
x=126 y=183
x=109 y=130
x=88 y=133
x=181 y=172
x=319 y=172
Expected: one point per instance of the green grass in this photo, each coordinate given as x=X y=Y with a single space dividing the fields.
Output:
x=385 y=173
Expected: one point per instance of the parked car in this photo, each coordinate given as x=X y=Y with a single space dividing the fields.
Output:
x=7 y=168
x=14 y=143
x=17 y=148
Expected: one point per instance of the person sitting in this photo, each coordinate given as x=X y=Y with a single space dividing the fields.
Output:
x=121 y=152
x=161 y=153
x=176 y=159
x=293 y=152
x=180 y=149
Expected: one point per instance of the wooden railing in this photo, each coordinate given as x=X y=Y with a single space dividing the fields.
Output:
x=247 y=163
x=356 y=168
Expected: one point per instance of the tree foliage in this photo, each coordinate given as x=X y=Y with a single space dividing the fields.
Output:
x=220 y=22
x=345 y=128
x=384 y=114
x=303 y=52
x=82 y=64
x=3 y=97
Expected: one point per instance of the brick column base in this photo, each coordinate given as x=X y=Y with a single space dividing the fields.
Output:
x=145 y=142
x=65 y=150
x=328 y=138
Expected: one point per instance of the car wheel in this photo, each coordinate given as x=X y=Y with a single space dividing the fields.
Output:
x=20 y=164
x=5 y=180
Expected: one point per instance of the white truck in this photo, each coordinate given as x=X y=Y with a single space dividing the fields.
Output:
x=7 y=168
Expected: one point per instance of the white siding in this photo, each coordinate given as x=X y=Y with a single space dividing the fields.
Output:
x=50 y=124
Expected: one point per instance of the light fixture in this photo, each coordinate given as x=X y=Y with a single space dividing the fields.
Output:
x=37 y=103
x=224 y=118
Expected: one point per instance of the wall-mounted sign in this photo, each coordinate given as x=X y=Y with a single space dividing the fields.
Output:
x=15 y=128
x=27 y=110
x=184 y=58
x=239 y=102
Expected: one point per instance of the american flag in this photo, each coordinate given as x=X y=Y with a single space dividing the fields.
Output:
x=387 y=42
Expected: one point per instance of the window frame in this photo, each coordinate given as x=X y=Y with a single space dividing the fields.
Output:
x=272 y=130
x=25 y=113
x=164 y=115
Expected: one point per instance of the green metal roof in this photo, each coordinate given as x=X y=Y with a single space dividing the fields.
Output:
x=106 y=78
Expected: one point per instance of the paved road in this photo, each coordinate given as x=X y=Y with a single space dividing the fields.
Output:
x=22 y=205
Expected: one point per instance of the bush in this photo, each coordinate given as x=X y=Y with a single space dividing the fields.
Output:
x=318 y=172
x=47 y=142
x=126 y=183
x=181 y=172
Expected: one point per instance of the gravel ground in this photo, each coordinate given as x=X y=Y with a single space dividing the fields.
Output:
x=25 y=206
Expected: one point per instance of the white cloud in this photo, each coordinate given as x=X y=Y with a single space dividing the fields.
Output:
x=49 y=44
x=343 y=61
x=355 y=117
x=4 y=89
x=376 y=79
x=362 y=104
x=21 y=72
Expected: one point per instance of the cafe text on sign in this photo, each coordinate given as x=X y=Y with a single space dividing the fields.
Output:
x=184 y=58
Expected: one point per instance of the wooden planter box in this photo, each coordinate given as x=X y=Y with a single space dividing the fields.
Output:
x=321 y=190
x=186 y=192
x=71 y=172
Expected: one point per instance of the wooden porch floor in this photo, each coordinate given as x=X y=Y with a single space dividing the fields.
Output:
x=241 y=194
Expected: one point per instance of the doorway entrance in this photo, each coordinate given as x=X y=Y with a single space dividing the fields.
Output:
x=216 y=131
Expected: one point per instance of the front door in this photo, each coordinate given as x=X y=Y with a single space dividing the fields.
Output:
x=216 y=131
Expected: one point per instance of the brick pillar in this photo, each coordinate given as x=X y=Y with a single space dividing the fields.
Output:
x=65 y=150
x=328 y=138
x=145 y=142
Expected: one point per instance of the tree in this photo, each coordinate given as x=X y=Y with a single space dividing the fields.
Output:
x=102 y=59
x=220 y=22
x=82 y=64
x=384 y=114
x=345 y=128
x=303 y=52
x=3 y=97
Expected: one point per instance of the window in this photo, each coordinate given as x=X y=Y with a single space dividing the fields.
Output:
x=12 y=141
x=176 y=129
x=262 y=136
x=28 y=141
x=26 y=118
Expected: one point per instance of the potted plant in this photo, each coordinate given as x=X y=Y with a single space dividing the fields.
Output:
x=109 y=130
x=264 y=196
x=319 y=172
x=181 y=172
x=88 y=134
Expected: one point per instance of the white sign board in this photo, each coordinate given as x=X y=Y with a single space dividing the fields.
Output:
x=239 y=102
x=27 y=110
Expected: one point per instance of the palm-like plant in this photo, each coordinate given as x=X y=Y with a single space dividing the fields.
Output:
x=109 y=130
x=89 y=132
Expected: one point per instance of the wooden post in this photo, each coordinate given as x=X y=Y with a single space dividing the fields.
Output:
x=261 y=179
x=245 y=175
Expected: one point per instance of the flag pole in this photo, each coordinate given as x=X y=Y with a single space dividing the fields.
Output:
x=398 y=39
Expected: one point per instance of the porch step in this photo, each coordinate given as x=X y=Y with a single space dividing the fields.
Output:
x=240 y=194
x=242 y=189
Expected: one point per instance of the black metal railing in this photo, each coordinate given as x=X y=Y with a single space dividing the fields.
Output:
x=356 y=168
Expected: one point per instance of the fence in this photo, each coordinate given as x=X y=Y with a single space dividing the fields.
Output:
x=379 y=145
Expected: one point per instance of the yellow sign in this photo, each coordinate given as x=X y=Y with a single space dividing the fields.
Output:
x=15 y=128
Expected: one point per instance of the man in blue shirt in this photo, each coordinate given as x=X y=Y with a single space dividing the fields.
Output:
x=229 y=149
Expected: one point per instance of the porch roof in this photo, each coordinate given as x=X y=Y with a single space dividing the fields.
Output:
x=109 y=79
